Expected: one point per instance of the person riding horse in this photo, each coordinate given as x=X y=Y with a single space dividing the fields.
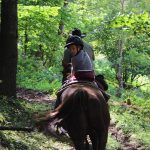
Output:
x=66 y=61
x=82 y=67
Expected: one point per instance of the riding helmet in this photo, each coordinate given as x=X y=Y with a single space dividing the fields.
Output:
x=74 y=40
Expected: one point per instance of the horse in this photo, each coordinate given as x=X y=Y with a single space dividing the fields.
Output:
x=84 y=114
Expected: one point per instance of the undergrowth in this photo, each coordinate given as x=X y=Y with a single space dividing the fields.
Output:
x=133 y=119
x=33 y=75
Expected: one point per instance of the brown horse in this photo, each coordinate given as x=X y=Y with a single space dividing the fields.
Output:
x=83 y=112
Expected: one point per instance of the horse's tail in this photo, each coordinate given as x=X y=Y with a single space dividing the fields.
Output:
x=74 y=104
x=93 y=108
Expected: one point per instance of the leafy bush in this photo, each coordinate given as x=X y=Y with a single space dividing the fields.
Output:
x=33 y=75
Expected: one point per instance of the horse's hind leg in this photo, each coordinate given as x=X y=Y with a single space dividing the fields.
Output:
x=87 y=145
x=78 y=139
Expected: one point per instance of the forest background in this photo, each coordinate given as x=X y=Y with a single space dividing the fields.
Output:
x=119 y=32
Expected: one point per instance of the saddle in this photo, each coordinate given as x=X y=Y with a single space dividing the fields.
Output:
x=93 y=84
x=68 y=84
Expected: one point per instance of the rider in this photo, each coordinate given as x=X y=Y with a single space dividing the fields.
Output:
x=82 y=66
x=66 y=62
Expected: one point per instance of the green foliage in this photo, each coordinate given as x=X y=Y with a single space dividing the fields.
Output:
x=133 y=123
x=2 y=118
x=41 y=49
x=137 y=63
x=38 y=29
x=31 y=74
x=139 y=98
x=19 y=113
x=14 y=112
x=103 y=66
x=134 y=118
x=112 y=143
x=137 y=23
x=41 y=2
x=134 y=30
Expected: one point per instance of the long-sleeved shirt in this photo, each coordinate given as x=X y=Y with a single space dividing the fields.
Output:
x=81 y=62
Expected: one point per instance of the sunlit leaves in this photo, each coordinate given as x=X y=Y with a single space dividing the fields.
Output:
x=41 y=2
x=137 y=23
x=39 y=24
x=2 y=118
x=135 y=30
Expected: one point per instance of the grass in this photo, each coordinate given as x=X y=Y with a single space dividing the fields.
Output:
x=32 y=141
x=112 y=144
x=17 y=112
x=133 y=122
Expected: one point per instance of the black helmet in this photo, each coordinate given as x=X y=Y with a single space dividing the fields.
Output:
x=74 y=40
x=77 y=32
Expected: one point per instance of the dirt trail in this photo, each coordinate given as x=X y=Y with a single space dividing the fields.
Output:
x=43 y=97
x=126 y=142
x=35 y=96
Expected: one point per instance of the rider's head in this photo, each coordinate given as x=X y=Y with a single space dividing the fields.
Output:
x=75 y=44
x=77 y=32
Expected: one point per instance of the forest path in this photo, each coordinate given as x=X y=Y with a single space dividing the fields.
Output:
x=44 y=97
x=35 y=96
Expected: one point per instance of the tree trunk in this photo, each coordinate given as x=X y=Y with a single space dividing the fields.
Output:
x=119 y=68
x=8 y=57
x=120 y=54
x=61 y=23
